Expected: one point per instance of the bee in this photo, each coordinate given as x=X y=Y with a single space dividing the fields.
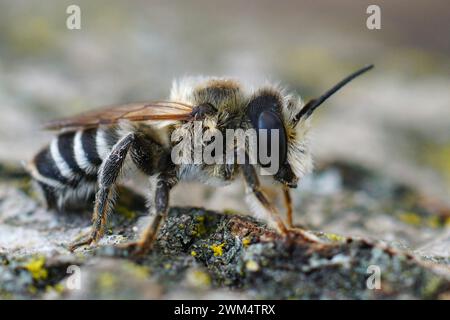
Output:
x=88 y=156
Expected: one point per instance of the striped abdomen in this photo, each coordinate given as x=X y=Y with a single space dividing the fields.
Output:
x=66 y=170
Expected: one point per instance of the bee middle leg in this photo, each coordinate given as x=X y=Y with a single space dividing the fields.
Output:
x=164 y=183
x=105 y=196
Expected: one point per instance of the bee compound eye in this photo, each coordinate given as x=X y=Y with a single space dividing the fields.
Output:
x=272 y=123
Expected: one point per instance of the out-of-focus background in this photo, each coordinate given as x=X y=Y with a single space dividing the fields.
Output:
x=394 y=121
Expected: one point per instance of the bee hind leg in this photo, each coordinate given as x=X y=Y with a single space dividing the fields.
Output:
x=105 y=196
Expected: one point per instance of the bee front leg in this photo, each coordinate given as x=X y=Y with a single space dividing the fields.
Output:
x=164 y=183
x=105 y=196
x=262 y=207
x=289 y=210
x=288 y=204
x=258 y=201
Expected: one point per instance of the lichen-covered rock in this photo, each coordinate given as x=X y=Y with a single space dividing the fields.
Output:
x=255 y=259
x=205 y=254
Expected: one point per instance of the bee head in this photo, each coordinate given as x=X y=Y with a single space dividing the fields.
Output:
x=286 y=121
x=276 y=141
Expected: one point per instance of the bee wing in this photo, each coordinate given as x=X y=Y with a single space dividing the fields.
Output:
x=158 y=110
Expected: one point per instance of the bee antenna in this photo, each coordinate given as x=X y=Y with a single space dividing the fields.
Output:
x=312 y=105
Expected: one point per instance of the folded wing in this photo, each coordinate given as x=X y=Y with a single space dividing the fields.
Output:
x=144 y=111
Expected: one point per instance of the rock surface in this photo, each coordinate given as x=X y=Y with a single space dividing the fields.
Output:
x=207 y=254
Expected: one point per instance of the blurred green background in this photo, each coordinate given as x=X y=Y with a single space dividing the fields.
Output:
x=396 y=119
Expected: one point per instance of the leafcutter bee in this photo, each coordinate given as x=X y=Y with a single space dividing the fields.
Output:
x=87 y=156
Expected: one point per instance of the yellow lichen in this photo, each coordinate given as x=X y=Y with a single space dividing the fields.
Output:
x=199 y=228
x=139 y=271
x=230 y=211
x=36 y=267
x=107 y=281
x=252 y=265
x=58 y=288
x=125 y=212
x=167 y=266
x=6 y=295
x=432 y=287
x=246 y=242
x=217 y=249
x=334 y=237
x=40 y=35
x=434 y=222
x=198 y=278
x=32 y=289
x=438 y=157
x=411 y=218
